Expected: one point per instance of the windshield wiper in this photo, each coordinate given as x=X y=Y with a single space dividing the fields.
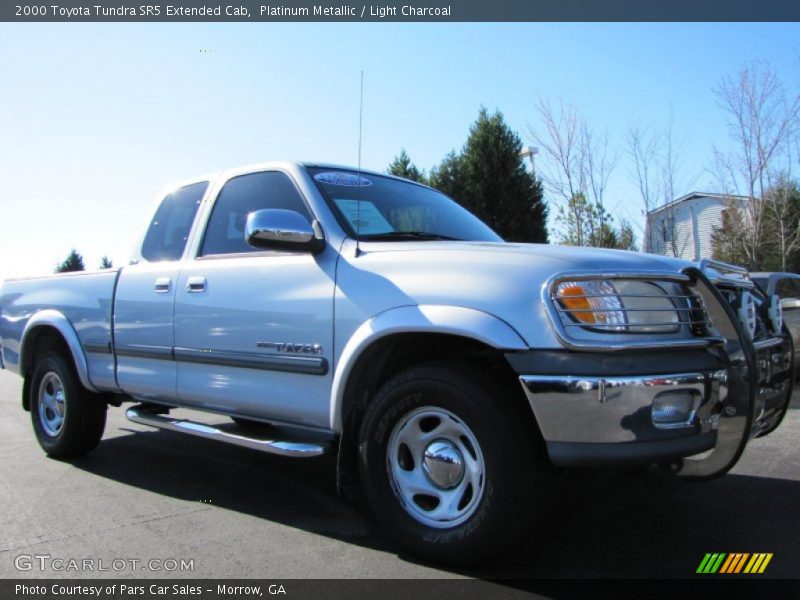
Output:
x=408 y=235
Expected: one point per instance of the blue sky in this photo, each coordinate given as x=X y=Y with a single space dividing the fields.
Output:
x=97 y=118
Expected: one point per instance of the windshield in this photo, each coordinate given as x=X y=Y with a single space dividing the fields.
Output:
x=383 y=208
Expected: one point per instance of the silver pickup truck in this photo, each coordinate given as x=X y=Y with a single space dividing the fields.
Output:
x=326 y=309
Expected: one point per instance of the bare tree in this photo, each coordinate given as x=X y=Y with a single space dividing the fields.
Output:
x=598 y=161
x=655 y=158
x=561 y=170
x=782 y=219
x=761 y=123
x=576 y=166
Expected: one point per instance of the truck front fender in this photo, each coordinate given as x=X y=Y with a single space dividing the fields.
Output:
x=453 y=320
x=55 y=320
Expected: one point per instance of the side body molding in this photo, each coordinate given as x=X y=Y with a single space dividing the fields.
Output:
x=56 y=320
x=453 y=320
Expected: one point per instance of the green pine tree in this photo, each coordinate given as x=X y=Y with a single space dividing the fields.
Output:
x=402 y=166
x=490 y=179
x=73 y=262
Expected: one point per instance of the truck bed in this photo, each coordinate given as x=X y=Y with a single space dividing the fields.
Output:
x=83 y=299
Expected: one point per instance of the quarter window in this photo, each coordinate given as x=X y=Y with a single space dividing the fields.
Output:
x=241 y=196
x=166 y=237
x=787 y=288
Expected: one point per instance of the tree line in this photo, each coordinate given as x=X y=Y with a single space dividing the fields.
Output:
x=761 y=226
x=489 y=178
x=74 y=262
x=755 y=172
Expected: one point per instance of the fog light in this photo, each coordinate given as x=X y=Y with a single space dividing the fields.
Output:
x=675 y=408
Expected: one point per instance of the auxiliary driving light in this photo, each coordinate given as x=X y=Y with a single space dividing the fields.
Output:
x=675 y=408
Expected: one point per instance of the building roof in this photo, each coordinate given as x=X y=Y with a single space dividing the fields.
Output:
x=691 y=196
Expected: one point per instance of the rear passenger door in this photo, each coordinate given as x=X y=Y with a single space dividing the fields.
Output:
x=145 y=299
x=254 y=328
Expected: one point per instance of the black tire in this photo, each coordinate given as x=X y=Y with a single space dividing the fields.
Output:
x=83 y=414
x=516 y=473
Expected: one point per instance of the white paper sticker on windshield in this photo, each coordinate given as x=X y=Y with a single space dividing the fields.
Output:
x=343 y=179
x=367 y=219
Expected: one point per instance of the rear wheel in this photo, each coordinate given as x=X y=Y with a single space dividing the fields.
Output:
x=68 y=420
x=453 y=471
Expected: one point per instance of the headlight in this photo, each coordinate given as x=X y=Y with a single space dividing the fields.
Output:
x=593 y=303
x=617 y=306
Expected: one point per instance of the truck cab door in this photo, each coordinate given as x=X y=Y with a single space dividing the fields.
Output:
x=254 y=328
x=145 y=299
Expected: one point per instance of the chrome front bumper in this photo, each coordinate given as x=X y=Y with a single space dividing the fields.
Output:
x=620 y=409
x=588 y=420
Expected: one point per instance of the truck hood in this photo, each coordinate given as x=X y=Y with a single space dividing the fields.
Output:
x=566 y=257
x=504 y=280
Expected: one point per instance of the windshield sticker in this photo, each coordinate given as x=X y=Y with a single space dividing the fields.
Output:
x=367 y=219
x=343 y=179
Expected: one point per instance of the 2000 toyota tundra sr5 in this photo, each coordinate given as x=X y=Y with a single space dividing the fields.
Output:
x=449 y=370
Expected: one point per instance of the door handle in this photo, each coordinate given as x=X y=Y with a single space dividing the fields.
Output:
x=163 y=285
x=195 y=285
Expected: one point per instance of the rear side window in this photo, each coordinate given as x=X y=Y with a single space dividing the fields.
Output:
x=241 y=196
x=787 y=288
x=169 y=230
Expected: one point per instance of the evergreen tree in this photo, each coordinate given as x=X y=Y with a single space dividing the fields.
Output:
x=73 y=262
x=449 y=177
x=402 y=166
x=626 y=240
x=728 y=241
x=105 y=263
x=781 y=243
x=489 y=178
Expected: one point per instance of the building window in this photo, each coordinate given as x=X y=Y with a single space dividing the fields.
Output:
x=668 y=229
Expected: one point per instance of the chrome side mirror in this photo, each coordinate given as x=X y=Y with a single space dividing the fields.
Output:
x=277 y=229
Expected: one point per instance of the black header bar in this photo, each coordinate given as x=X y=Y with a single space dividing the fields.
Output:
x=403 y=11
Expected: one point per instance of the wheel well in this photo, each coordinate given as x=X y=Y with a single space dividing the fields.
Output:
x=393 y=354
x=40 y=341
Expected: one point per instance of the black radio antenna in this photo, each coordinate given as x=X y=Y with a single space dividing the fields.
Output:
x=358 y=182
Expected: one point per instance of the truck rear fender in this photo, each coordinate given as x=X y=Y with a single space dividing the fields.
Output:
x=53 y=320
x=453 y=320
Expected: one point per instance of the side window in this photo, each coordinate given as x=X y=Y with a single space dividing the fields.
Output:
x=787 y=288
x=169 y=230
x=241 y=196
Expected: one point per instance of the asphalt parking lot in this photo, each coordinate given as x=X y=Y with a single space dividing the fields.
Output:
x=146 y=494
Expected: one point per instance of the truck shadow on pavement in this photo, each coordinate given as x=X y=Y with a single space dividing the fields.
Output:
x=605 y=524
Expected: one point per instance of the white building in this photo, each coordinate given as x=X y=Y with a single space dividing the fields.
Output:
x=683 y=227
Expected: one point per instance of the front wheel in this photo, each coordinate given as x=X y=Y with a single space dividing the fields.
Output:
x=67 y=419
x=453 y=471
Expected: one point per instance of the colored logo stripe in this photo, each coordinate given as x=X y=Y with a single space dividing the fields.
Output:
x=721 y=562
x=758 y=564
x=711 y=563
x=734 y=563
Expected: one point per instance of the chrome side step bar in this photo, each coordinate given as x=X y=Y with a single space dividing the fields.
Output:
x=143 y=416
